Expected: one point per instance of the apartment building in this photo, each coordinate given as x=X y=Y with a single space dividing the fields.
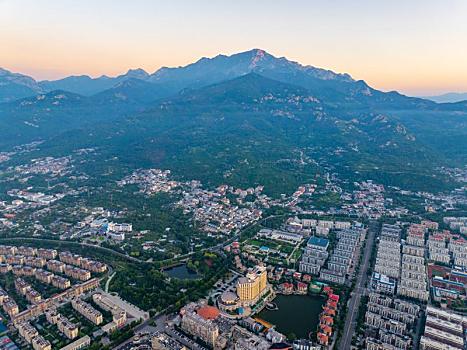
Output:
x=27 y=251
x=27 y=331
x=392 y=313
x=93 y=266
x=340 y=263
x=64 y=325
x=87 y=311
x=10 y=307
x=55 y=266
x=77 y=273
x=380 y=322
x=390 y=233
x=60 y=282
x=198 y=326
x=44 y=276
x=47 y=254
x=443 y=330
x=332 y=276
x=391 y=322
x=383 y=284
x=5 y=268
x=413 y=282
x=70 y=258
x=3 y=296
x=14 y=259
x=72 y=292
x=388 y=258
x=314 y=255
x=119 y=316
x=33 y=296
x=21 y=286
x=31 y=335
x=39 y=343
x=35 y=261
x=79 y=344
x=6 y=249
x=413 y=250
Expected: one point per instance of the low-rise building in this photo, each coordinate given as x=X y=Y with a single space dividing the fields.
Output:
x=55 y=266
x=81 y=343
x=87 y=311
x=64 y=325
x=60 y=282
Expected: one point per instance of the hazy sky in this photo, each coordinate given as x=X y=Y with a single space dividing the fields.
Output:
x=414 y=46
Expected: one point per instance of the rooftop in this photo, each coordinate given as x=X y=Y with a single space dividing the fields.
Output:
x=321 y=242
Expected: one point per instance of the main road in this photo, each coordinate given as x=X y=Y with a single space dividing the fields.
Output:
x=359 y=290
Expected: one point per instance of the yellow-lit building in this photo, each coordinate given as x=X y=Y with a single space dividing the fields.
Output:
x=253 y=284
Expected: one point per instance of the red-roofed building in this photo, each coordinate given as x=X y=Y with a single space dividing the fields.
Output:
x=208 y=312
x=286 y=287
x=302 y=287
x=332 y=304
x=323 y=339
x=325 y=329
x=329 y=312
x=328 y=320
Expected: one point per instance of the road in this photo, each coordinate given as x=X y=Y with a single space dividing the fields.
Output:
x=360 y=289
x=107 y=283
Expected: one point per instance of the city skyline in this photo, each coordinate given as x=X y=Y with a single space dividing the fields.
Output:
x=414 y=48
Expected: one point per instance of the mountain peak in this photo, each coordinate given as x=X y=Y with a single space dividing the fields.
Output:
x=4 y=71
x=16 y=85
x=258 y=56
x=137 y=73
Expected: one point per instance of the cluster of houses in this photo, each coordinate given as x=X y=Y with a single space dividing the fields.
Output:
x=367 y=200
x=326 y=318
x=47 y=165
x=150 y=181
x=216 y=213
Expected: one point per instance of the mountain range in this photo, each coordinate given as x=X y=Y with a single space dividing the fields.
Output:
x=449 y=97
x=243 y=119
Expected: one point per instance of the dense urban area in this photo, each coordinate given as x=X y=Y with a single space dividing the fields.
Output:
x=332 y=265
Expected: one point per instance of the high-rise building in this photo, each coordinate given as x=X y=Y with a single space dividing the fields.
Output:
x=253 y=284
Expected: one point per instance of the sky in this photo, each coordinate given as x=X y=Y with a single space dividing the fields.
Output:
x=418 y=47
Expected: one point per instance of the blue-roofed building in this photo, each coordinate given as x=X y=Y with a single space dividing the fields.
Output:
x=318 y=243
x=314 y=255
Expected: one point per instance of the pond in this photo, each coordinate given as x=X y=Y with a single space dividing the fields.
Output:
x=298 y=314
x=181 y=272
